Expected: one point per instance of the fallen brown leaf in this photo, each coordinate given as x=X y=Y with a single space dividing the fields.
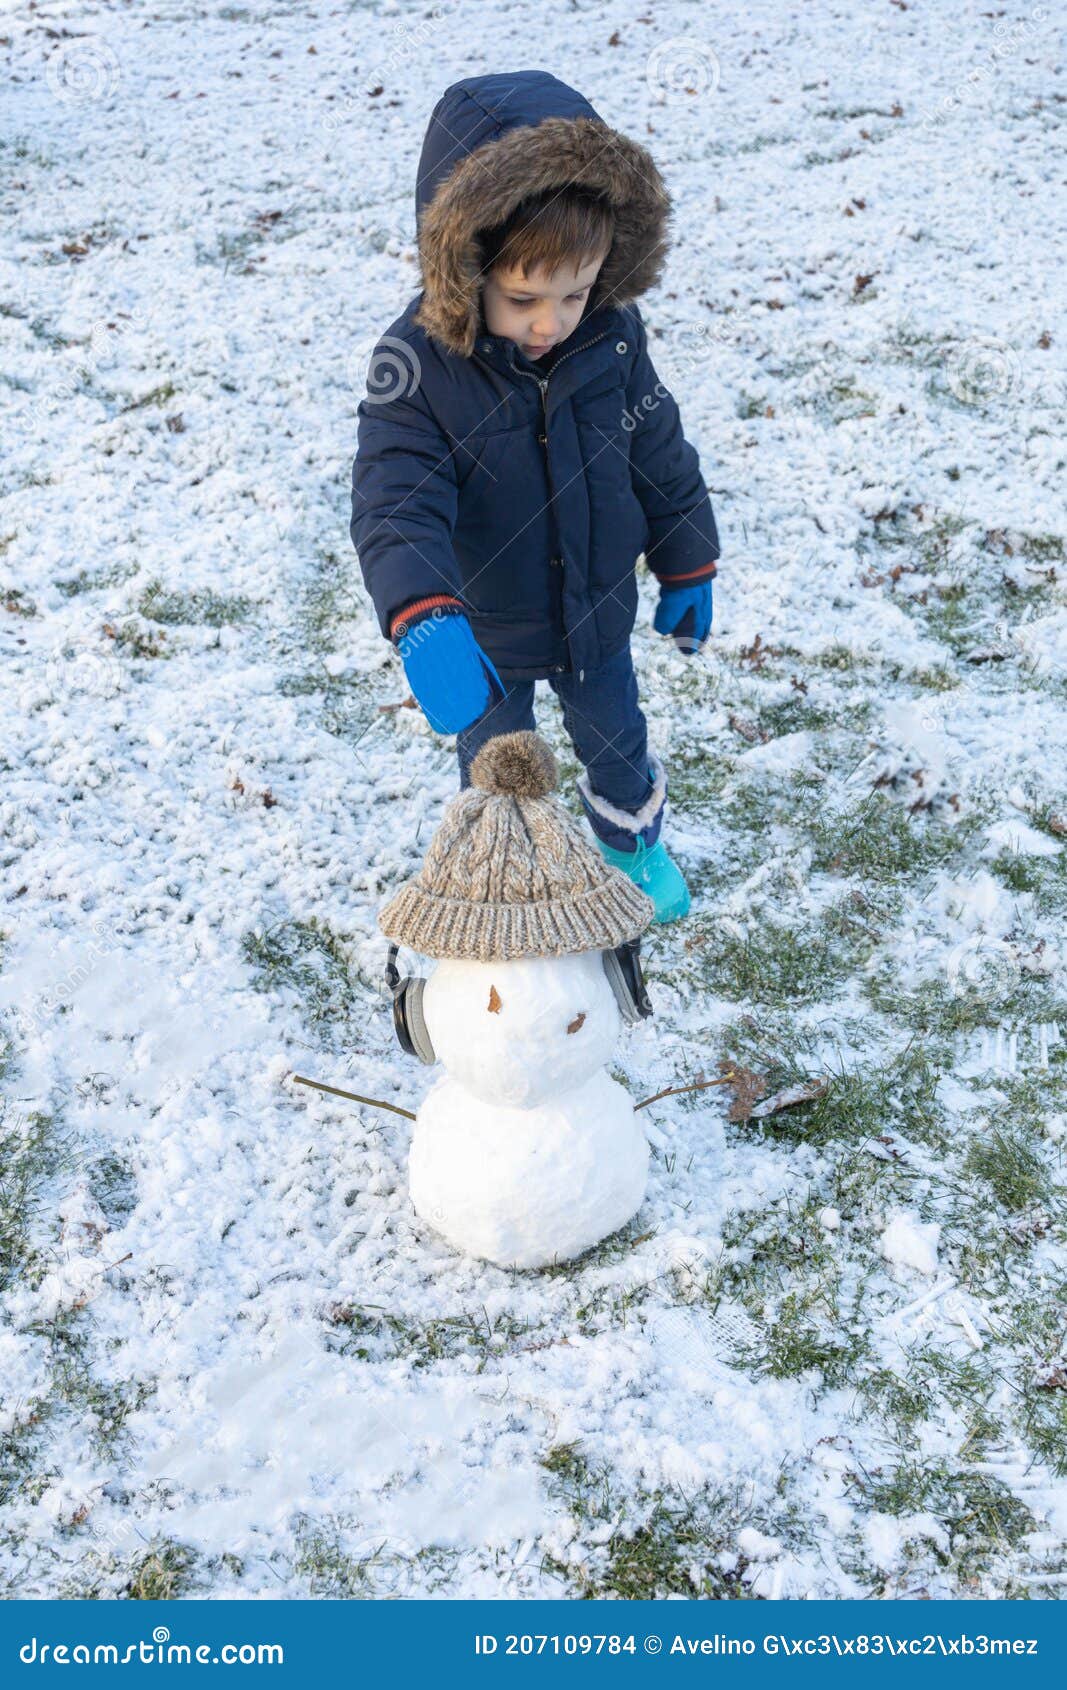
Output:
x=746 y=1086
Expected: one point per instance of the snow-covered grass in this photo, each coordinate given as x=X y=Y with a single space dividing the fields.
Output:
x=828 y=1357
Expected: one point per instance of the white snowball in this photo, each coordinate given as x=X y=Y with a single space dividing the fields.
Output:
x=527 y=1187
x=522 y=1053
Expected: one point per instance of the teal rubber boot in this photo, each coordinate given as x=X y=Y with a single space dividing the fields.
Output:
x=656 y=873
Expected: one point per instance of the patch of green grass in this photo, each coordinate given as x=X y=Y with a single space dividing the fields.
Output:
x=1012 y=1169
x=651 y=1544
x=22 y=1447
x=772 y=963
x=698 y=777
x=1044 y=878
x=307 y=963
x=946 y=1007
x=16 y=602
x=615 y=1248
x=376 y=1565
x=983 y=1518
x=1034 y=1323
x=878 y=839
x=755 y=805
x=1043 y=1423
x=163 y=1573
x=807 y=1337
x=950 y=617
x=862 y=1100
x=797 y=714
x=1048 y=549
x=30 y=1155
x=94 y=580
x=841 y=401
x=157 y=396
x=934 y=1384
x=371 y=1333
x=751 y=405
x=928 y=548
x=841 y=659
x=238 y=250
x=329 y=601
x=100 y=1408
x=113 y=1185
x=786 y=1268
x=203 y=606
x=908 y=345
x=940 y=678
x=25 y=150
x=967 y=600
x=1050 y=817
x=903 y=1404
x=133 y=637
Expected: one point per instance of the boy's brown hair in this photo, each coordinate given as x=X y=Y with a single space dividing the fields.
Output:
x=567 y=223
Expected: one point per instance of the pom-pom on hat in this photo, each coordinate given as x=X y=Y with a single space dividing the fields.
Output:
x=509 y=872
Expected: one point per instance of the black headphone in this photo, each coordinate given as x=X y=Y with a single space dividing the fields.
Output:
x=621 y=965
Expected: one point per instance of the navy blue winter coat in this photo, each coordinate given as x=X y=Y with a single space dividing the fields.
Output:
x=526 y=493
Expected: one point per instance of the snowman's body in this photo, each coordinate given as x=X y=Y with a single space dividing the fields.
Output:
x=526 y=1152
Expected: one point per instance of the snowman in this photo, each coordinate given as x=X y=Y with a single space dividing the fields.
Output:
x=526 y=1152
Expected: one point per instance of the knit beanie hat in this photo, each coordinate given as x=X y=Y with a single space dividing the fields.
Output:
x=509 y=872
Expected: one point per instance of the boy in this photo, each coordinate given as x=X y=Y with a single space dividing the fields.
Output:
x=517 y=453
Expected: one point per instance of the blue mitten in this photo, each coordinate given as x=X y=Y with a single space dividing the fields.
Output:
x=447 y=671
x=685 y=613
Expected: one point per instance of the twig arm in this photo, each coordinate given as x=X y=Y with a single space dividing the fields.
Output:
x=670 y=1091
x=335 y=1091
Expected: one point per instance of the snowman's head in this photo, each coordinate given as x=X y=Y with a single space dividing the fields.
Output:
x=519 y=1032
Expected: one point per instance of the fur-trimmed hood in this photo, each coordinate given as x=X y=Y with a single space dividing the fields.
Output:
x=493 y=141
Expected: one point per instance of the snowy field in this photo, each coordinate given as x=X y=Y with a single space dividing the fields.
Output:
x=828 y=1358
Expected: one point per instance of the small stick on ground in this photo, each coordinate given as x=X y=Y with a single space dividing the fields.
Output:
x=670 y=1091
x=335 y=1091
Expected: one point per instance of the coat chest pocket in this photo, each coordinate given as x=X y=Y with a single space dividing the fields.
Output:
x=480 y=462
x=601 y=406
x=600 y=418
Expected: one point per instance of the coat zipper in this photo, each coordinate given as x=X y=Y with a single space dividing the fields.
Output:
x=542 y=382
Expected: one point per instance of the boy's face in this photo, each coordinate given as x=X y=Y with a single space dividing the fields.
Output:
x=537 y=310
